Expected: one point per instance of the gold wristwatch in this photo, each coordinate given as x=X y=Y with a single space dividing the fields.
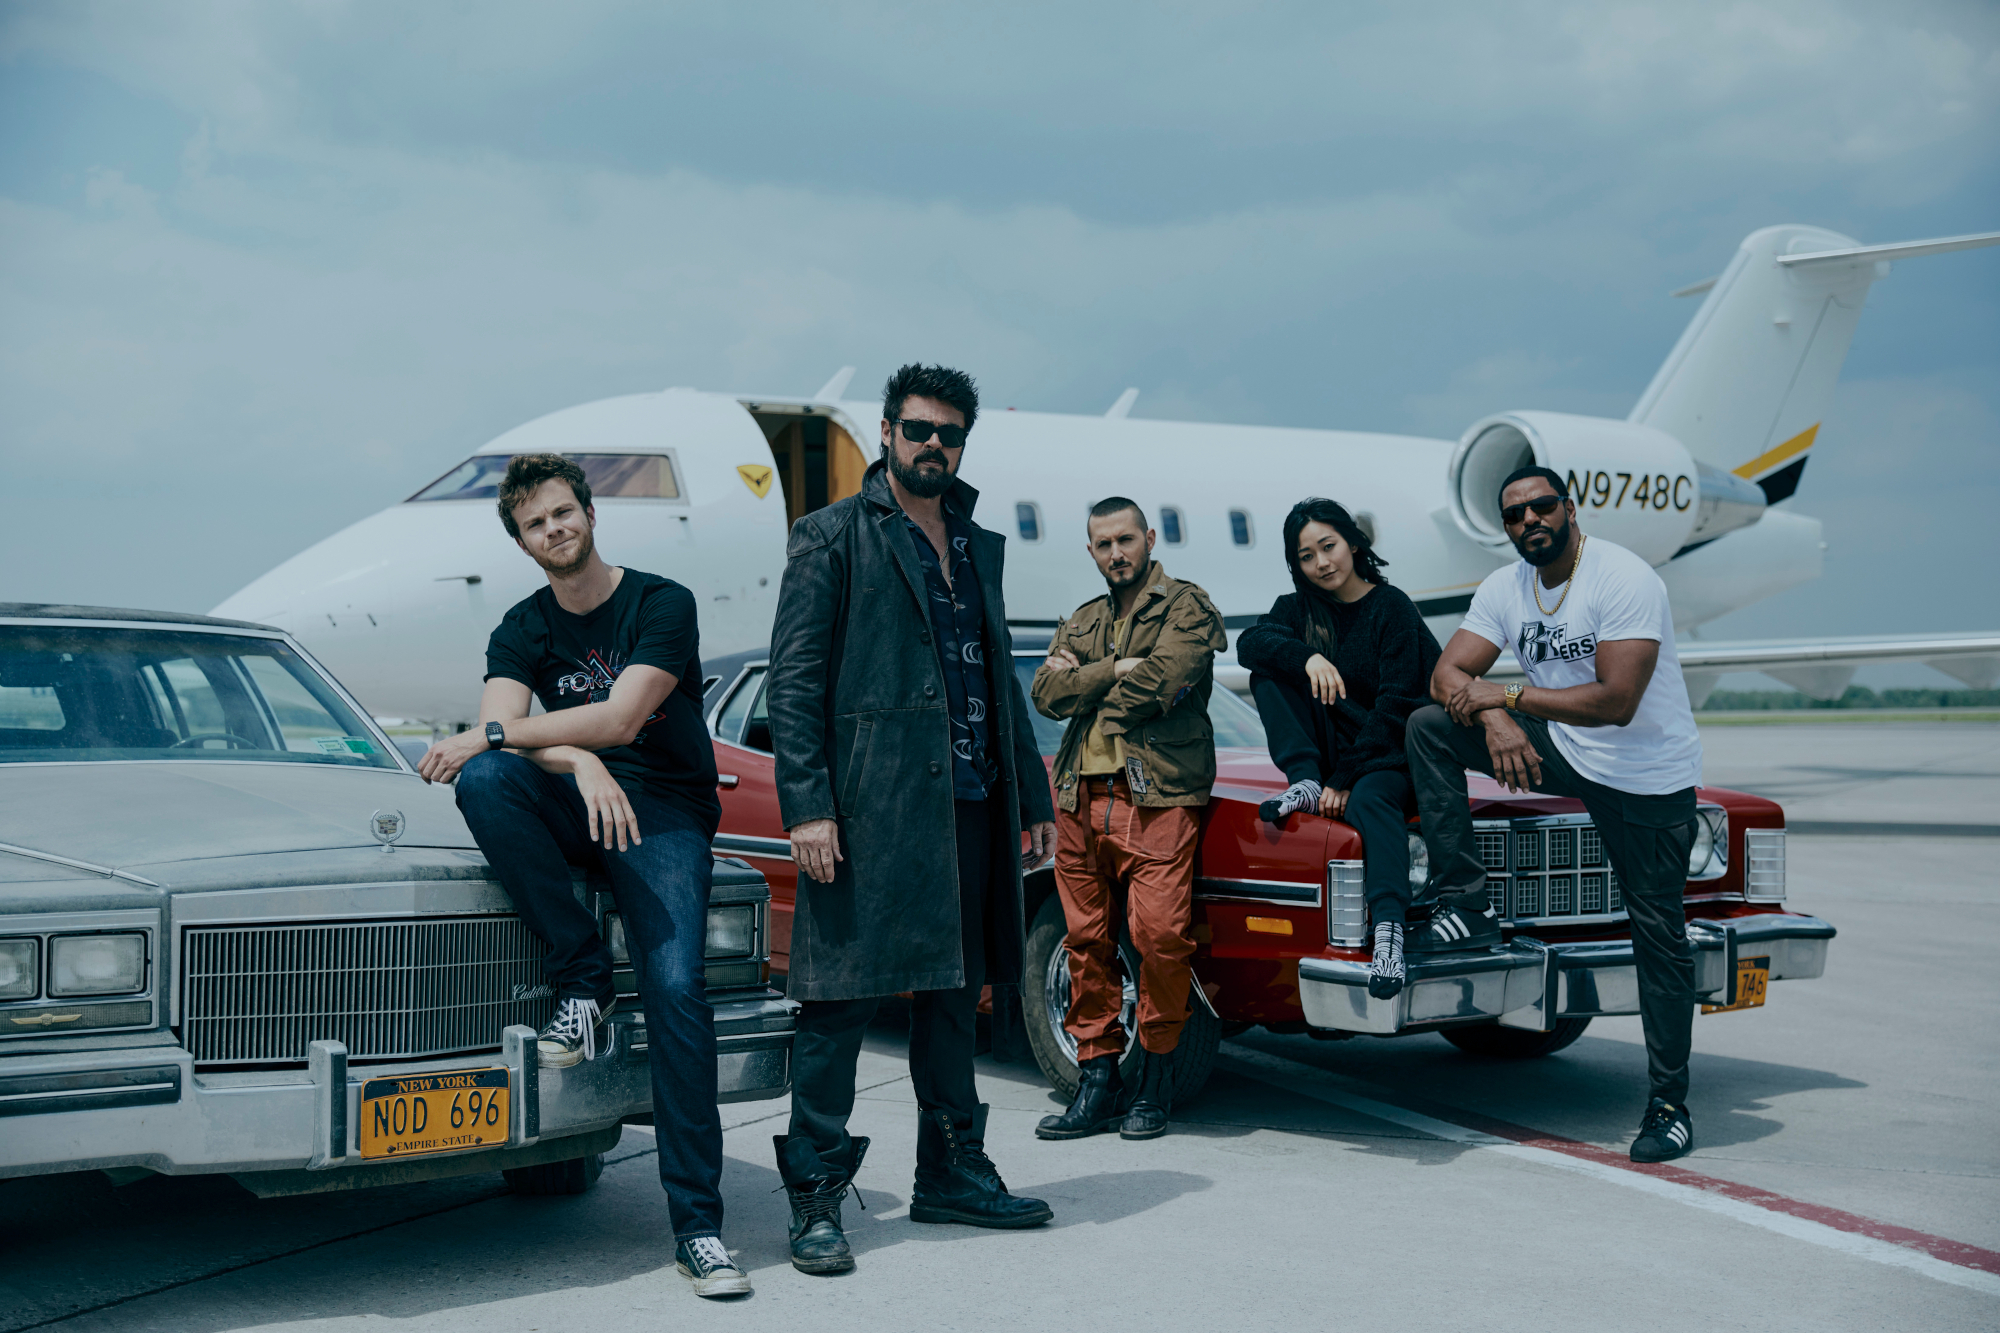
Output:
x=1513 y=693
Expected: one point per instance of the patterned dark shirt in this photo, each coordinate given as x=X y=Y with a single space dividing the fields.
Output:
x=958 y=621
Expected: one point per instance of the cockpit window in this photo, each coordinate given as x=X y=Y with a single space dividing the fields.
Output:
x=611 y=477
x=71 y=694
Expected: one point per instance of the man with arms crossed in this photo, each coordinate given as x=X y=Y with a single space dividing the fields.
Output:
x=619 y=768
x=906 y=770
x=1604 y=717
x=1132 y=672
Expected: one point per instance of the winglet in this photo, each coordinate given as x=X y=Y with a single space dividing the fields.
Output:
x=1123 y=407
x=830 y=391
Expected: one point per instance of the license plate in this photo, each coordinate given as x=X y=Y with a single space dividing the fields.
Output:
x=1753 y=978
x=414 y=1115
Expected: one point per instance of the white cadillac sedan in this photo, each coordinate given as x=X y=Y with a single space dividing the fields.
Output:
x=239 y=935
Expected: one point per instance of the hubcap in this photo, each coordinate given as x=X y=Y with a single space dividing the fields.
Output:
x=1055 y=992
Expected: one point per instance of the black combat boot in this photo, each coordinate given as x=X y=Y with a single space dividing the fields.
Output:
x=1147 y=1117
x=1095 y=1108
x=815 y=1189
x=957 y=1181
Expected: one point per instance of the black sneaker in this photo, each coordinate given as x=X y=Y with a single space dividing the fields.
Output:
x=1666 y=1132
x=1385 y=969
x=1457 y=924
x=708 y=1263
x=571 y=1036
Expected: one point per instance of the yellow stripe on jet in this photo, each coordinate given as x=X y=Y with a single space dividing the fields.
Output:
x=1764 y=462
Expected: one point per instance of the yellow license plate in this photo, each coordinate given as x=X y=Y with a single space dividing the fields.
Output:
x=412 y=1115
x=1753 y=978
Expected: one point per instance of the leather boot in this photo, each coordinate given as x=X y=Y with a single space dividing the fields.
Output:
x=815 y=1189
x=957 y=1181
x=1095 y=1107
x=1147 y=1116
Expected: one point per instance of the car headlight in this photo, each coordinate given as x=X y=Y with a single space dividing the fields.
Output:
x=97 y=964
x=614 y=936
x=732 y=931
x=1709 y=857
x=20 y=969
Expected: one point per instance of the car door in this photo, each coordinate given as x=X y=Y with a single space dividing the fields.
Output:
x=752 y=827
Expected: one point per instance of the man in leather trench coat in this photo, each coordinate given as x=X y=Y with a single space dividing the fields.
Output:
x=906 y=772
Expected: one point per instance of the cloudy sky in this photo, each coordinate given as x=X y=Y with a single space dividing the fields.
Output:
x=267 y=267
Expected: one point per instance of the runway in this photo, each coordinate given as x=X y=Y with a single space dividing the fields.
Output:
x=1847 y=1173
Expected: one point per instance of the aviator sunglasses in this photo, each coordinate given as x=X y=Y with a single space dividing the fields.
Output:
x=1541 y=504
x=920 y=432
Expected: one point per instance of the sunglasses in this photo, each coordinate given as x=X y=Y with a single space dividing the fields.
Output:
x=1541 y=504
x=920 y=432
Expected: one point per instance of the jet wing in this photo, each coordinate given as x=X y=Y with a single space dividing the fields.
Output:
x=1820 y=668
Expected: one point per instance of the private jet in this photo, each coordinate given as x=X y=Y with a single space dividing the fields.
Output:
x=702 y=487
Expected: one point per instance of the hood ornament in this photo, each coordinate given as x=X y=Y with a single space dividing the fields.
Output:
x=387 y=826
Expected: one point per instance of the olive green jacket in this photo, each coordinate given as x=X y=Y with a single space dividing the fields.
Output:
x=1159 y=708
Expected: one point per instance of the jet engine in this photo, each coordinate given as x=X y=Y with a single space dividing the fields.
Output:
x=1633 y=484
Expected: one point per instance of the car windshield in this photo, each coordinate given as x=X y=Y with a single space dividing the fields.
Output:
x=1236 y=723
x=71 y=694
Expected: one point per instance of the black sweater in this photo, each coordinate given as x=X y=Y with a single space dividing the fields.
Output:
x=1385 y=654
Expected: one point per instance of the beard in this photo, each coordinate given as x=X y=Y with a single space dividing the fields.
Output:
x=1542 y=555
x=579 y=554
x=924 y=485
x=1115 y=579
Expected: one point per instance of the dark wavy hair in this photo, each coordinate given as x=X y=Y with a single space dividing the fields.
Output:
x=526 y=472
x=917 y=380
x=1320 y=632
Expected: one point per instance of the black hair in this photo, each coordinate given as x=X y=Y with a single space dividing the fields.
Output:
x=1117 y=504
x=526 y=472
x=1320 y=633
x=917 y=380
x=1553 y=477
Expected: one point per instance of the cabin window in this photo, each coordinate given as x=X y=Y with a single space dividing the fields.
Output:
x=611 y=477
x=1028 y=516
x=1172 y=532
x=1240 y=530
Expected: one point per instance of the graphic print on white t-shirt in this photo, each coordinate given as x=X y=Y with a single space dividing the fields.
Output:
x=1613 y=595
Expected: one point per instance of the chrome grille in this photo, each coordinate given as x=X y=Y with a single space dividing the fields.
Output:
x=386 y=989
x=1547 y=870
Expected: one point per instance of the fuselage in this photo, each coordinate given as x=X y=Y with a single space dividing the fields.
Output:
x=400 y=605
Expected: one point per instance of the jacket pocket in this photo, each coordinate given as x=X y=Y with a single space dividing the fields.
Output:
x=854 y=739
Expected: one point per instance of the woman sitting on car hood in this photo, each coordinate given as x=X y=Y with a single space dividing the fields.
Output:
x=1337 y=666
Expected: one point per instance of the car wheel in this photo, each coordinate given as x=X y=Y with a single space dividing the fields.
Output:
x=1045 y=1002
x=1490 y=1039
x=574 y=1176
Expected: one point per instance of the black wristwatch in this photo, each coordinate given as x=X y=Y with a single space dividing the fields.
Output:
x=496 y=735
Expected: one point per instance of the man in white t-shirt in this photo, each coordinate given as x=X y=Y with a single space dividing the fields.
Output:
x=1604 y=717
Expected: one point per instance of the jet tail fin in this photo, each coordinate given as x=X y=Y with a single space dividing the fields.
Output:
x=1749 y=381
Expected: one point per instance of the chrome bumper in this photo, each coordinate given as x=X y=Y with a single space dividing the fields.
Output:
x=1528 y=984
x=295 y=1131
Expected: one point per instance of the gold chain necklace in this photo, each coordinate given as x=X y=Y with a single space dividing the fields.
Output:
x=1535 y=580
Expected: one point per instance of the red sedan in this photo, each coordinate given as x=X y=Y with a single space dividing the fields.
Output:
x=1280 y=921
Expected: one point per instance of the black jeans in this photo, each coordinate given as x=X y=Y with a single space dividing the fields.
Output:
x=533 y=827
x=1299 y=730
x=828 y=1040
x=1647 y=839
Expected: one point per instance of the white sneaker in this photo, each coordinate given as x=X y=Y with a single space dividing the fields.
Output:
x=715 y=1274
x=571 y=1036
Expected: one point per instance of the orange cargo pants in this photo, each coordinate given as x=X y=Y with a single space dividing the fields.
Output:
x=1107 y=843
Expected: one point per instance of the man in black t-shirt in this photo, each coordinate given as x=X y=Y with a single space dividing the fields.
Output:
x=618 y=770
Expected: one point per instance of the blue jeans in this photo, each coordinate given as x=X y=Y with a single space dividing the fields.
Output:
x=533 y=827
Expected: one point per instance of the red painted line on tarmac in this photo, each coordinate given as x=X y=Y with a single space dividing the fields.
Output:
x=1950 y=1251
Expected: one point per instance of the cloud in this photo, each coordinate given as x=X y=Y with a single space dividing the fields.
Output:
x=377 y=236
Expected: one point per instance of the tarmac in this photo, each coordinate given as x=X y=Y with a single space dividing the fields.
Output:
x=1847 y=1171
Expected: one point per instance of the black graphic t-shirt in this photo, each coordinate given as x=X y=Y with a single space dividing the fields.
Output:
x=569 y=660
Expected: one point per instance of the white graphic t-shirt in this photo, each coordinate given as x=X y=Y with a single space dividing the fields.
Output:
x=1616 y=595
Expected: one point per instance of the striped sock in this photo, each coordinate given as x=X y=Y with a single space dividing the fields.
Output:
x=1301 y=795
